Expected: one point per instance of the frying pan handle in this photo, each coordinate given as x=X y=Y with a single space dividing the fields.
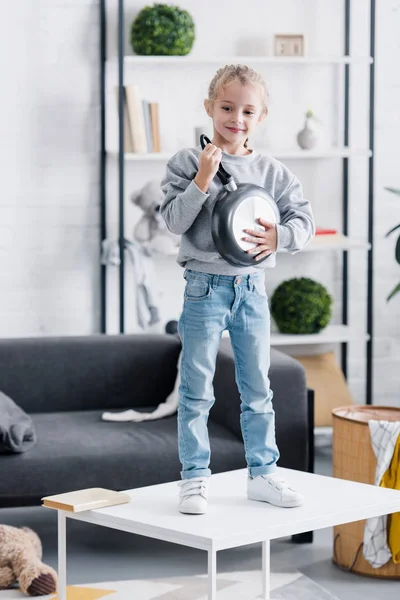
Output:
x=225 y=177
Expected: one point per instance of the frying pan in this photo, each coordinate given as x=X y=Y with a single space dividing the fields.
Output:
x=238 y=207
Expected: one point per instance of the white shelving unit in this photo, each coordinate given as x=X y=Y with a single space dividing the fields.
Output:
x=333 y=334
x=295 y=153
x=281 y=60
x=340 y=65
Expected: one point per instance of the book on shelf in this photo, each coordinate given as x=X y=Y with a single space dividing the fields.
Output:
x=86 y=499
x=328 y=236
x=155 y=125
x=147 y=125
x=136 y=118
x=128 y=146
x=322 y=231
x=141 y=122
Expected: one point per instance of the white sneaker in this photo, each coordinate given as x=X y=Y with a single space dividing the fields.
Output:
x=193 y=495
x=273 y=489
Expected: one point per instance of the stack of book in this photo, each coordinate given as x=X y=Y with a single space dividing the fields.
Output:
x=141 y=122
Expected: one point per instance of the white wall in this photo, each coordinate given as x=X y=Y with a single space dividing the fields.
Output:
x=387 y=206
x=49 y=211
x=49 y=216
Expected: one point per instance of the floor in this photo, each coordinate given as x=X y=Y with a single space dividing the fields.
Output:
x=98 y=554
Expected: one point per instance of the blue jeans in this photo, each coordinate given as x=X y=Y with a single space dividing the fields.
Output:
x=213 y=303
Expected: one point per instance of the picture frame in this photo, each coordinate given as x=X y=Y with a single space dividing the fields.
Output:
x=289 y=45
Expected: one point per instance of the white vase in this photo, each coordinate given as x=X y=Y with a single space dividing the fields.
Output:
x=306 y=138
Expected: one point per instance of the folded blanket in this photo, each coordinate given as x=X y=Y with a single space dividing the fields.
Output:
x=17 y=433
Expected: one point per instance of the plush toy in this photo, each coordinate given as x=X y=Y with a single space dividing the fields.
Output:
x=20 y=560
x=151 y=230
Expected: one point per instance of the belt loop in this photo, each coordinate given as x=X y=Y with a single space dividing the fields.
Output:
x=250 y=282
x=214 y=282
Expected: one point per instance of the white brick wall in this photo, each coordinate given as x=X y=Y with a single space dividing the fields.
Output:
x=49 y=209
x=49 y=216
x=387 y=206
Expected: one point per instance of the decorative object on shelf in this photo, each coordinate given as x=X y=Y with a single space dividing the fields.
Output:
x=307 y=138
x=289 y=45
x=301 y=306
x=238 y=207
x=396 y=289
x=162 y=30
x=151 y=231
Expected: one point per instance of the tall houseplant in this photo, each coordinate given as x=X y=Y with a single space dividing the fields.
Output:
x=396 y=289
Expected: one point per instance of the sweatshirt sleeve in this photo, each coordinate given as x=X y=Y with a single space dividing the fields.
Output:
x=183 y=200
x=297 y=225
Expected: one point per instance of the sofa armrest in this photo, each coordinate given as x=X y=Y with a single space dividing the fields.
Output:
x=288 y=383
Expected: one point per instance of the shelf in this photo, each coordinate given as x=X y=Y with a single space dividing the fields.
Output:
x=336 y=152
x=320 y=243
x=283 y=60
x=332 y=334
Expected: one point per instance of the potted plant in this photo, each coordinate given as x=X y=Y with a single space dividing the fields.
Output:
x=396 y=289
x=162 y=29
x=301 y=305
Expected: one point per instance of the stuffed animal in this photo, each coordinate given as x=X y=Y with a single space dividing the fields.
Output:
x=20 y=560
x=151 y=230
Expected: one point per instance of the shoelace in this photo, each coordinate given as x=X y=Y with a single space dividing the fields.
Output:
x=192 y=487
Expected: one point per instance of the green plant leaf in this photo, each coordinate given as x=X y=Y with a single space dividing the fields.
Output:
x=393 y=190
x=395 y=291
x=164 y=30
x=393 y=229
x=301 y=305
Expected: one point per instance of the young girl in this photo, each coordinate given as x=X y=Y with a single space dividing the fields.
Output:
x=220 y=296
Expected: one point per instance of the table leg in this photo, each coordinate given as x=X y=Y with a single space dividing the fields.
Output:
x=212 y=575
x=62 y=557
x=266 y=570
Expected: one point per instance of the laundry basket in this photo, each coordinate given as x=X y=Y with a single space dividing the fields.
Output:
x=354 y=459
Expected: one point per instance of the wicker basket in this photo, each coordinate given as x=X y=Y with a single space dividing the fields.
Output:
x=354 y=459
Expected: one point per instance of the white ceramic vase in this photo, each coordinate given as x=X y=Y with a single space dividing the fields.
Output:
x=306 y=138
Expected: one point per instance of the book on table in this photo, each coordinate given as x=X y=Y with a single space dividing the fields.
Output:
x=86 y=499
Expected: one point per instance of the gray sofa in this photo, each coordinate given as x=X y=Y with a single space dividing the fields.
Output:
x=65 y=383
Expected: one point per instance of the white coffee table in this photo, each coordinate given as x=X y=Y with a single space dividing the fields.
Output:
x=232 y=520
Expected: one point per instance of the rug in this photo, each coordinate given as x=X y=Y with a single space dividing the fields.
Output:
x=230 y=586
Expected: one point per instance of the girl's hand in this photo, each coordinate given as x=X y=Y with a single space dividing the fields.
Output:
x=209 y=160
x=266 y=240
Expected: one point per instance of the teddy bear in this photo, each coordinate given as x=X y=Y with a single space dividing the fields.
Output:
x=151 y=230
x=20 y=560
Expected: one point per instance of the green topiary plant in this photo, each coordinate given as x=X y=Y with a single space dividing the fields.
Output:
x=162 y=29
x=301 y=305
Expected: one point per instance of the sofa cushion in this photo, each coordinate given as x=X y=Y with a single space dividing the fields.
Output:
x=77 y=450
x=88 y=373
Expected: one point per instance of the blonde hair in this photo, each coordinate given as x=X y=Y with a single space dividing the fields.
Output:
x=242 y=73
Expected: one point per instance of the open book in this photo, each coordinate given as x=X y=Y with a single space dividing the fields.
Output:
x=86 y=499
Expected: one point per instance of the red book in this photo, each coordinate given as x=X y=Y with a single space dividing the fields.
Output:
x=321 y=231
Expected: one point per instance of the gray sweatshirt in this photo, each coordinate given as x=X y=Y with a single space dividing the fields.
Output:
x=187 y=210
